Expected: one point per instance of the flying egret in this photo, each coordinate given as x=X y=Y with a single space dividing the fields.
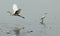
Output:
x=16 y=11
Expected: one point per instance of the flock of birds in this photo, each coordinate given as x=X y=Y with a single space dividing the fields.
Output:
x=16 y=12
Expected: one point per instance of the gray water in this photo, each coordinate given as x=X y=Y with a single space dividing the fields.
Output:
x=32 y=10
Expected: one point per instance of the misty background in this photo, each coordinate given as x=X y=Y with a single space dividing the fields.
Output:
x=32 y=10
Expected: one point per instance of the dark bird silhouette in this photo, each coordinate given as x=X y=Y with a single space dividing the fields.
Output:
x=42 y=19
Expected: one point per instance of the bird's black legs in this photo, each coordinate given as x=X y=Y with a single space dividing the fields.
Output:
x=21 y=16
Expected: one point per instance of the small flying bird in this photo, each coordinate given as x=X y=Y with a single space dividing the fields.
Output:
x=16 y=11
x=42 y=19
x=29 y=31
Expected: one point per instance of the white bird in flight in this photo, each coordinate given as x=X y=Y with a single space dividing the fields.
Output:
x=16 y=11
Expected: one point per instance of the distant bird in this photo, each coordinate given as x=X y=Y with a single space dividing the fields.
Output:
x=42 y=19
x=29 y=31
x=16 y=11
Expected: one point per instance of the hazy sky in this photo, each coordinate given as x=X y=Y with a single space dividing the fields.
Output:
x=32 y=10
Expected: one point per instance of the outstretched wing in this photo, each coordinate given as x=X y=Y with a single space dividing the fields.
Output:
x=17 y=12
x=15 y=8
x=43 y=17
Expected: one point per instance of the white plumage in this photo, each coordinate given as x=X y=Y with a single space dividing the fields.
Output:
x=15 y=8
x=43 y=17
x=16 y=11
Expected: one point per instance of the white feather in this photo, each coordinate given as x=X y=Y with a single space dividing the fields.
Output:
x=15 y=8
